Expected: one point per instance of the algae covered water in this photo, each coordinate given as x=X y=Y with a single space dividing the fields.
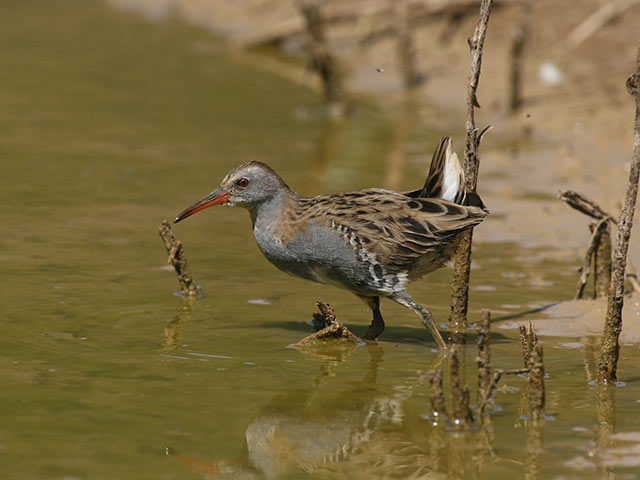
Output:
x=110 y=124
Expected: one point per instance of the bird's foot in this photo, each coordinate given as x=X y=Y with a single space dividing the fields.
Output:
x=373 y=332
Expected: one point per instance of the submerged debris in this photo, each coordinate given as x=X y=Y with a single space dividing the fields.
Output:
x=334 y=328
x=177 y=258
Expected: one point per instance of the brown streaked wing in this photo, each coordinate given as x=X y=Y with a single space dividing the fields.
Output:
x=427 y=228
x=396 y=228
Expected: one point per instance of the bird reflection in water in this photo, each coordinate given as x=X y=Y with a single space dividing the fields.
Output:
x=334 y=429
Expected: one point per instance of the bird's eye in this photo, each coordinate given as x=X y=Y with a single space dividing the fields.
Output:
x=243 y=182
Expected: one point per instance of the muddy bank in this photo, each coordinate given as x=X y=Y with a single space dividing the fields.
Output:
x=581 y=319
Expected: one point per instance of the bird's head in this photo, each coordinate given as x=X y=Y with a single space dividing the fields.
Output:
x=246 y=186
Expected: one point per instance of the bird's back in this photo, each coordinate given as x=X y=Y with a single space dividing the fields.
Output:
x=403 y=234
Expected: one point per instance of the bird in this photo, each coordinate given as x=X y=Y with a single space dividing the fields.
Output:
x=372 y=242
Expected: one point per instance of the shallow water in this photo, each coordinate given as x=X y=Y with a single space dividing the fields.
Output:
x=111 y=124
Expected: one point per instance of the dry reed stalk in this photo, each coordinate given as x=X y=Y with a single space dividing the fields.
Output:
x=462 y=261
x=608 y=362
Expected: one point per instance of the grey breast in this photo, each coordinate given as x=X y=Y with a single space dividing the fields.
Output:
x=317 y=253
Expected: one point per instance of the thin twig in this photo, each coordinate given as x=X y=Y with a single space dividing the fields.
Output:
x=462 y=261
x=608 y=362
x=586 y=266
x=482 y=133
x=583 y=204
x=476 y=44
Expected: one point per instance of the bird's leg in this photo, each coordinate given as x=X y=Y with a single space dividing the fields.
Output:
x=377 y=324
x=403 y=298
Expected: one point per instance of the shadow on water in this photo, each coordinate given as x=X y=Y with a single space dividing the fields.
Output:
x=392 y=334
x=522 y=315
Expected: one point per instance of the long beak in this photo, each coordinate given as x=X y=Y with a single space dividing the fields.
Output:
x=217 y=197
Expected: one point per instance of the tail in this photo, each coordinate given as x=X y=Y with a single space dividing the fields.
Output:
x=446 y=178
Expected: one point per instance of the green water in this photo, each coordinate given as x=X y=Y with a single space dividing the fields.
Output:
x=110 y=124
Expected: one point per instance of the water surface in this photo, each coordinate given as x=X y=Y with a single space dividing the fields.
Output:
x=111 y=124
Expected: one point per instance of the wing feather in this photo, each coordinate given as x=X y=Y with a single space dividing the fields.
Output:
x=406 y=233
